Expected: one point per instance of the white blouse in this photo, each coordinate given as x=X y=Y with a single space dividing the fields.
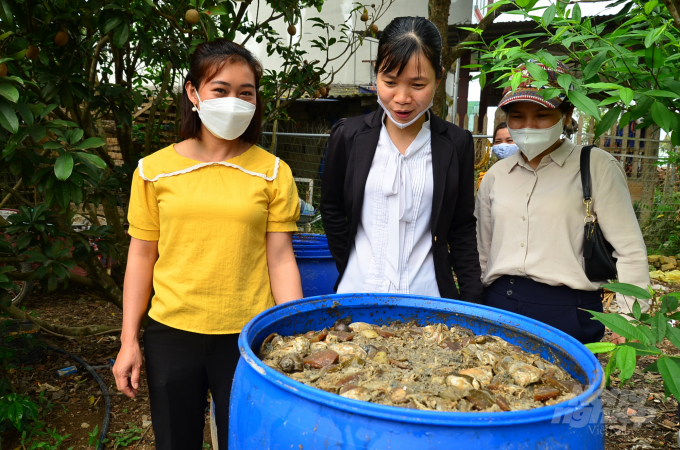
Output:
x=392 y=251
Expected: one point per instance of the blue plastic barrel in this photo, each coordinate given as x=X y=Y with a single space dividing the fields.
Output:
x=269 y=410
x=317 y=268
x=309 y=238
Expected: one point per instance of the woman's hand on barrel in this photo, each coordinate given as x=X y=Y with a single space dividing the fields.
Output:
x=127 y=369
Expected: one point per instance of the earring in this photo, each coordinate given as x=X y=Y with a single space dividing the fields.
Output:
x=194 y=109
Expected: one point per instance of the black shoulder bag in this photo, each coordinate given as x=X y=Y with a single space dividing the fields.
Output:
x=597 y=252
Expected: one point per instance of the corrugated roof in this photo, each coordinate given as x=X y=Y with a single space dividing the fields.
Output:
x=498 y=29
x=339 y=91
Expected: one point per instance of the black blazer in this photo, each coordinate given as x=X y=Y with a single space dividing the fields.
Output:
x=351 y=148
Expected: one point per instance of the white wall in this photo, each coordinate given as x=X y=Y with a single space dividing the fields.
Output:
x=336 y=12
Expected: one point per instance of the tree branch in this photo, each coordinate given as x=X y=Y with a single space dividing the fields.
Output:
x=95 y=57
x=673 y=7
x=177 y=26
x=8 y=196
x=17 y=259
x=59 y=330
x=259 y=26
x=239 y=16
x=160 y=96
x=13 y=192
x=461 y=49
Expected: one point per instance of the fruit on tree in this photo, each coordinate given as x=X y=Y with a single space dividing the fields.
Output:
x=192 y=17
x=292 y=30
x=61 y=38
x=374 y=28
x=32 y=52
x=3 y=70
x=364 y=16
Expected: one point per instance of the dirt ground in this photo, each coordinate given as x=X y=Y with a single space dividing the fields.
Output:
x=78 y=404
x=636 y=415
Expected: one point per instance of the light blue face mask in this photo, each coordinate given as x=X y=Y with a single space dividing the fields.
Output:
x=502 y=151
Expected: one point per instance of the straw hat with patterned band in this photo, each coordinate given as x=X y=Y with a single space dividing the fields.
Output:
x=527 y=91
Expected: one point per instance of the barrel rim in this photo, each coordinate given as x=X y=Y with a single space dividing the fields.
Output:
x=395 y=413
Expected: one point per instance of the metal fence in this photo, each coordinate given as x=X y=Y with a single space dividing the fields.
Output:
x=651 y=171
x=652 y=180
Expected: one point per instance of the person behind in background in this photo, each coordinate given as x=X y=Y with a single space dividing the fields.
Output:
x=211 y=220
x=530 y=215
x=503 y=145
x=398 y=185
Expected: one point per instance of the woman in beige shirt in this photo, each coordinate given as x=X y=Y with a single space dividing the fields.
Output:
x=530 y=218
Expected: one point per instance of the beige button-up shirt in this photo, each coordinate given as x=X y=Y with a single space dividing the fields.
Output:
x=530 y=222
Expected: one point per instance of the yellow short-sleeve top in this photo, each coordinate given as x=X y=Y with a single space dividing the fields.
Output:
x=211 y=221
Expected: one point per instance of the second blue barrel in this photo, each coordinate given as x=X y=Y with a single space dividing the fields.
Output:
x=317 y=267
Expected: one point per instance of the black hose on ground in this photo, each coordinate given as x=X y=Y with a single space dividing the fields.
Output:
x=102 y=386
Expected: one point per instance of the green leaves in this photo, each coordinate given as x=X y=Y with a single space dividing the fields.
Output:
x=594 y=65
x=94 y=142
x=549 y=14
x=515 y=80
x=628 y=289
x=8 y=119
x=92 y=159
x=670 y=372
x=637 y=311
x=576 y=13
x=625 y=362
x=63 y=166
x=121 y=35
x=654 y=35
x=601 y=347
x=670 y=301
x=662 y=116
x=621 y=326
x=536 y=72
x=673 y=335
x=607 y=121
x=626 y=96
x=584 y=104
x=650 y=5
x=112 y=23
x=659 y=326
x=654 y=57
x=9 y=92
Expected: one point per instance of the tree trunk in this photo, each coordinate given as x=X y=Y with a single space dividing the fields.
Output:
x=438 y=13
x=112 y=292
x=150 y=128
x=674 y=8
x=88 y=330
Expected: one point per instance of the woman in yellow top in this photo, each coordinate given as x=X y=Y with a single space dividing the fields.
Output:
x=211 y=220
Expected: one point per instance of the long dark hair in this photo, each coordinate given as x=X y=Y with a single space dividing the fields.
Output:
x=405 y=37
x=206 y=62
x=500 y=126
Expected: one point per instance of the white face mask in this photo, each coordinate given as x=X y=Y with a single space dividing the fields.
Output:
x=532 y=142
x=226 y=117
x=404 y=125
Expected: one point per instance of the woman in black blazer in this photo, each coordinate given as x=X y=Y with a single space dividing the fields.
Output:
x=397 y=198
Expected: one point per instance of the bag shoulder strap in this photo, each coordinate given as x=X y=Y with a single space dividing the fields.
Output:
x=585 y=171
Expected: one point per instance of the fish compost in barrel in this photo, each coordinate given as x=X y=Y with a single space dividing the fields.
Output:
x=270 y=410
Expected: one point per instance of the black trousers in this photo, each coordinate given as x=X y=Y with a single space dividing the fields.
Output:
x=558 y=306
x=181 y=366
